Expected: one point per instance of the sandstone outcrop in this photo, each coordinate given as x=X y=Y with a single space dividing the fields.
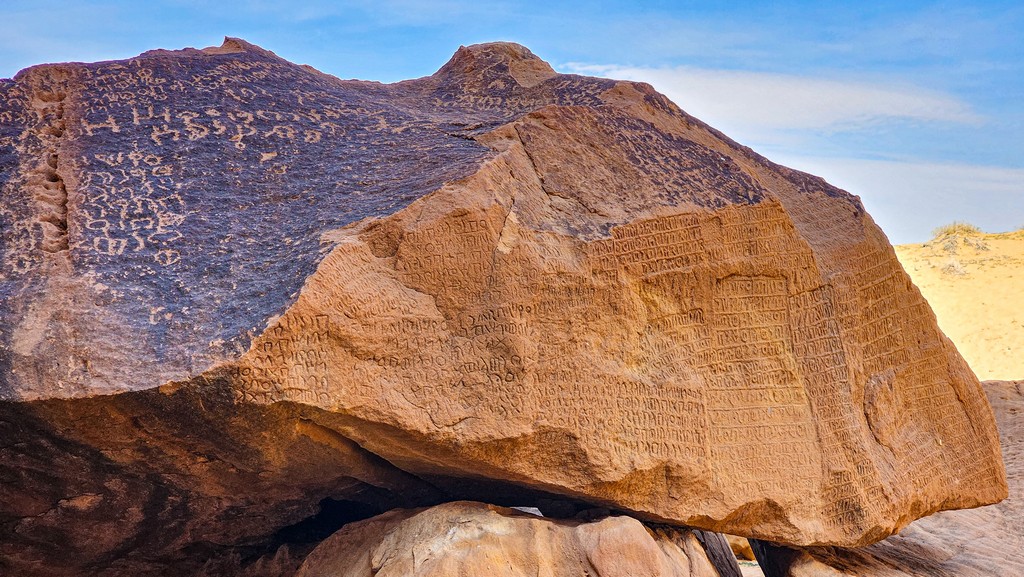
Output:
x=976 y=543
x=493 y=280
x=465 y=538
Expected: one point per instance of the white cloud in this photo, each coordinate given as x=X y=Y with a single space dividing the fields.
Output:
x=778 y=113
x=757 y=105
x=909 y=199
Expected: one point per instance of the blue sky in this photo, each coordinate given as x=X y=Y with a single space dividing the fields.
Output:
x=918 y=107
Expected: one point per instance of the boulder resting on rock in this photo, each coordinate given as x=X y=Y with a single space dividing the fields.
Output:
x=495 y=279
x=466 y=538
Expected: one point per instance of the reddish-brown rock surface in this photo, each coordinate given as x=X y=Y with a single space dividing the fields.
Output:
x=495 y=280
x=977 y=543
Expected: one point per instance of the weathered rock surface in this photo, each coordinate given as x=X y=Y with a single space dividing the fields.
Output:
x=466 y=538
x=976 y=543
x=496 y=278
x=161 y=482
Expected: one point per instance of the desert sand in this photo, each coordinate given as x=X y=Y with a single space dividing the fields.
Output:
x=977 y=295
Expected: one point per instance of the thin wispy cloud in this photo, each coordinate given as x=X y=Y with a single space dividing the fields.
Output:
x=783 y=114
x=908 y=199
x=390 y=13
x=759 y=103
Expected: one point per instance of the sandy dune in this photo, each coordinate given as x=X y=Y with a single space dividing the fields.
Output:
x=977 y=295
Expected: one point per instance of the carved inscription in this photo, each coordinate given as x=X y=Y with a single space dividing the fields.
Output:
x=290 y=363
x=922 y=383
x=733 y=337
x=481 y=96
x=760 y=418
x=882 y=289
x=853 y=490
x=454 y=255
x=652 y=246
x=20 y=227
x=169 y=124
x=133 y=205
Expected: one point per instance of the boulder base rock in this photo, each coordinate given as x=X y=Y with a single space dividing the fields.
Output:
x=466 y=538
x=495 y=279
x=740 y=547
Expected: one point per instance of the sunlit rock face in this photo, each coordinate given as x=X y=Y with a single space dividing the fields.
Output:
x=975 y=543
x=233 y=287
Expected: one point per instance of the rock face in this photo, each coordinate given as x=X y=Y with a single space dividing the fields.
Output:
x=466 y=538
x=493 y=279
x=976 y=543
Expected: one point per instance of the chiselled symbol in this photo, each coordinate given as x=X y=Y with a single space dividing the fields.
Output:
x=167 y=256
x=109 y=246
x=194 y=130
x=164 y=131
x=109 y=124
x=281 y=131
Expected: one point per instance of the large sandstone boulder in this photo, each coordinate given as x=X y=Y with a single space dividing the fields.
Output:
x=465 y=538
x=219 y=267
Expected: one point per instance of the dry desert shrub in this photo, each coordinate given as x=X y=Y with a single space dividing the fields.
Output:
x=954 y=268
x=956 y=228
x=977 y=243
x=951 y=235
x=950 y=244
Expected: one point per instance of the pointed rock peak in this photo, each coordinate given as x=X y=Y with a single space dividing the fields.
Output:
x=233 y=46
x=505 y=51
x=497 y=58
x=229 y=46
x=238 y=46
